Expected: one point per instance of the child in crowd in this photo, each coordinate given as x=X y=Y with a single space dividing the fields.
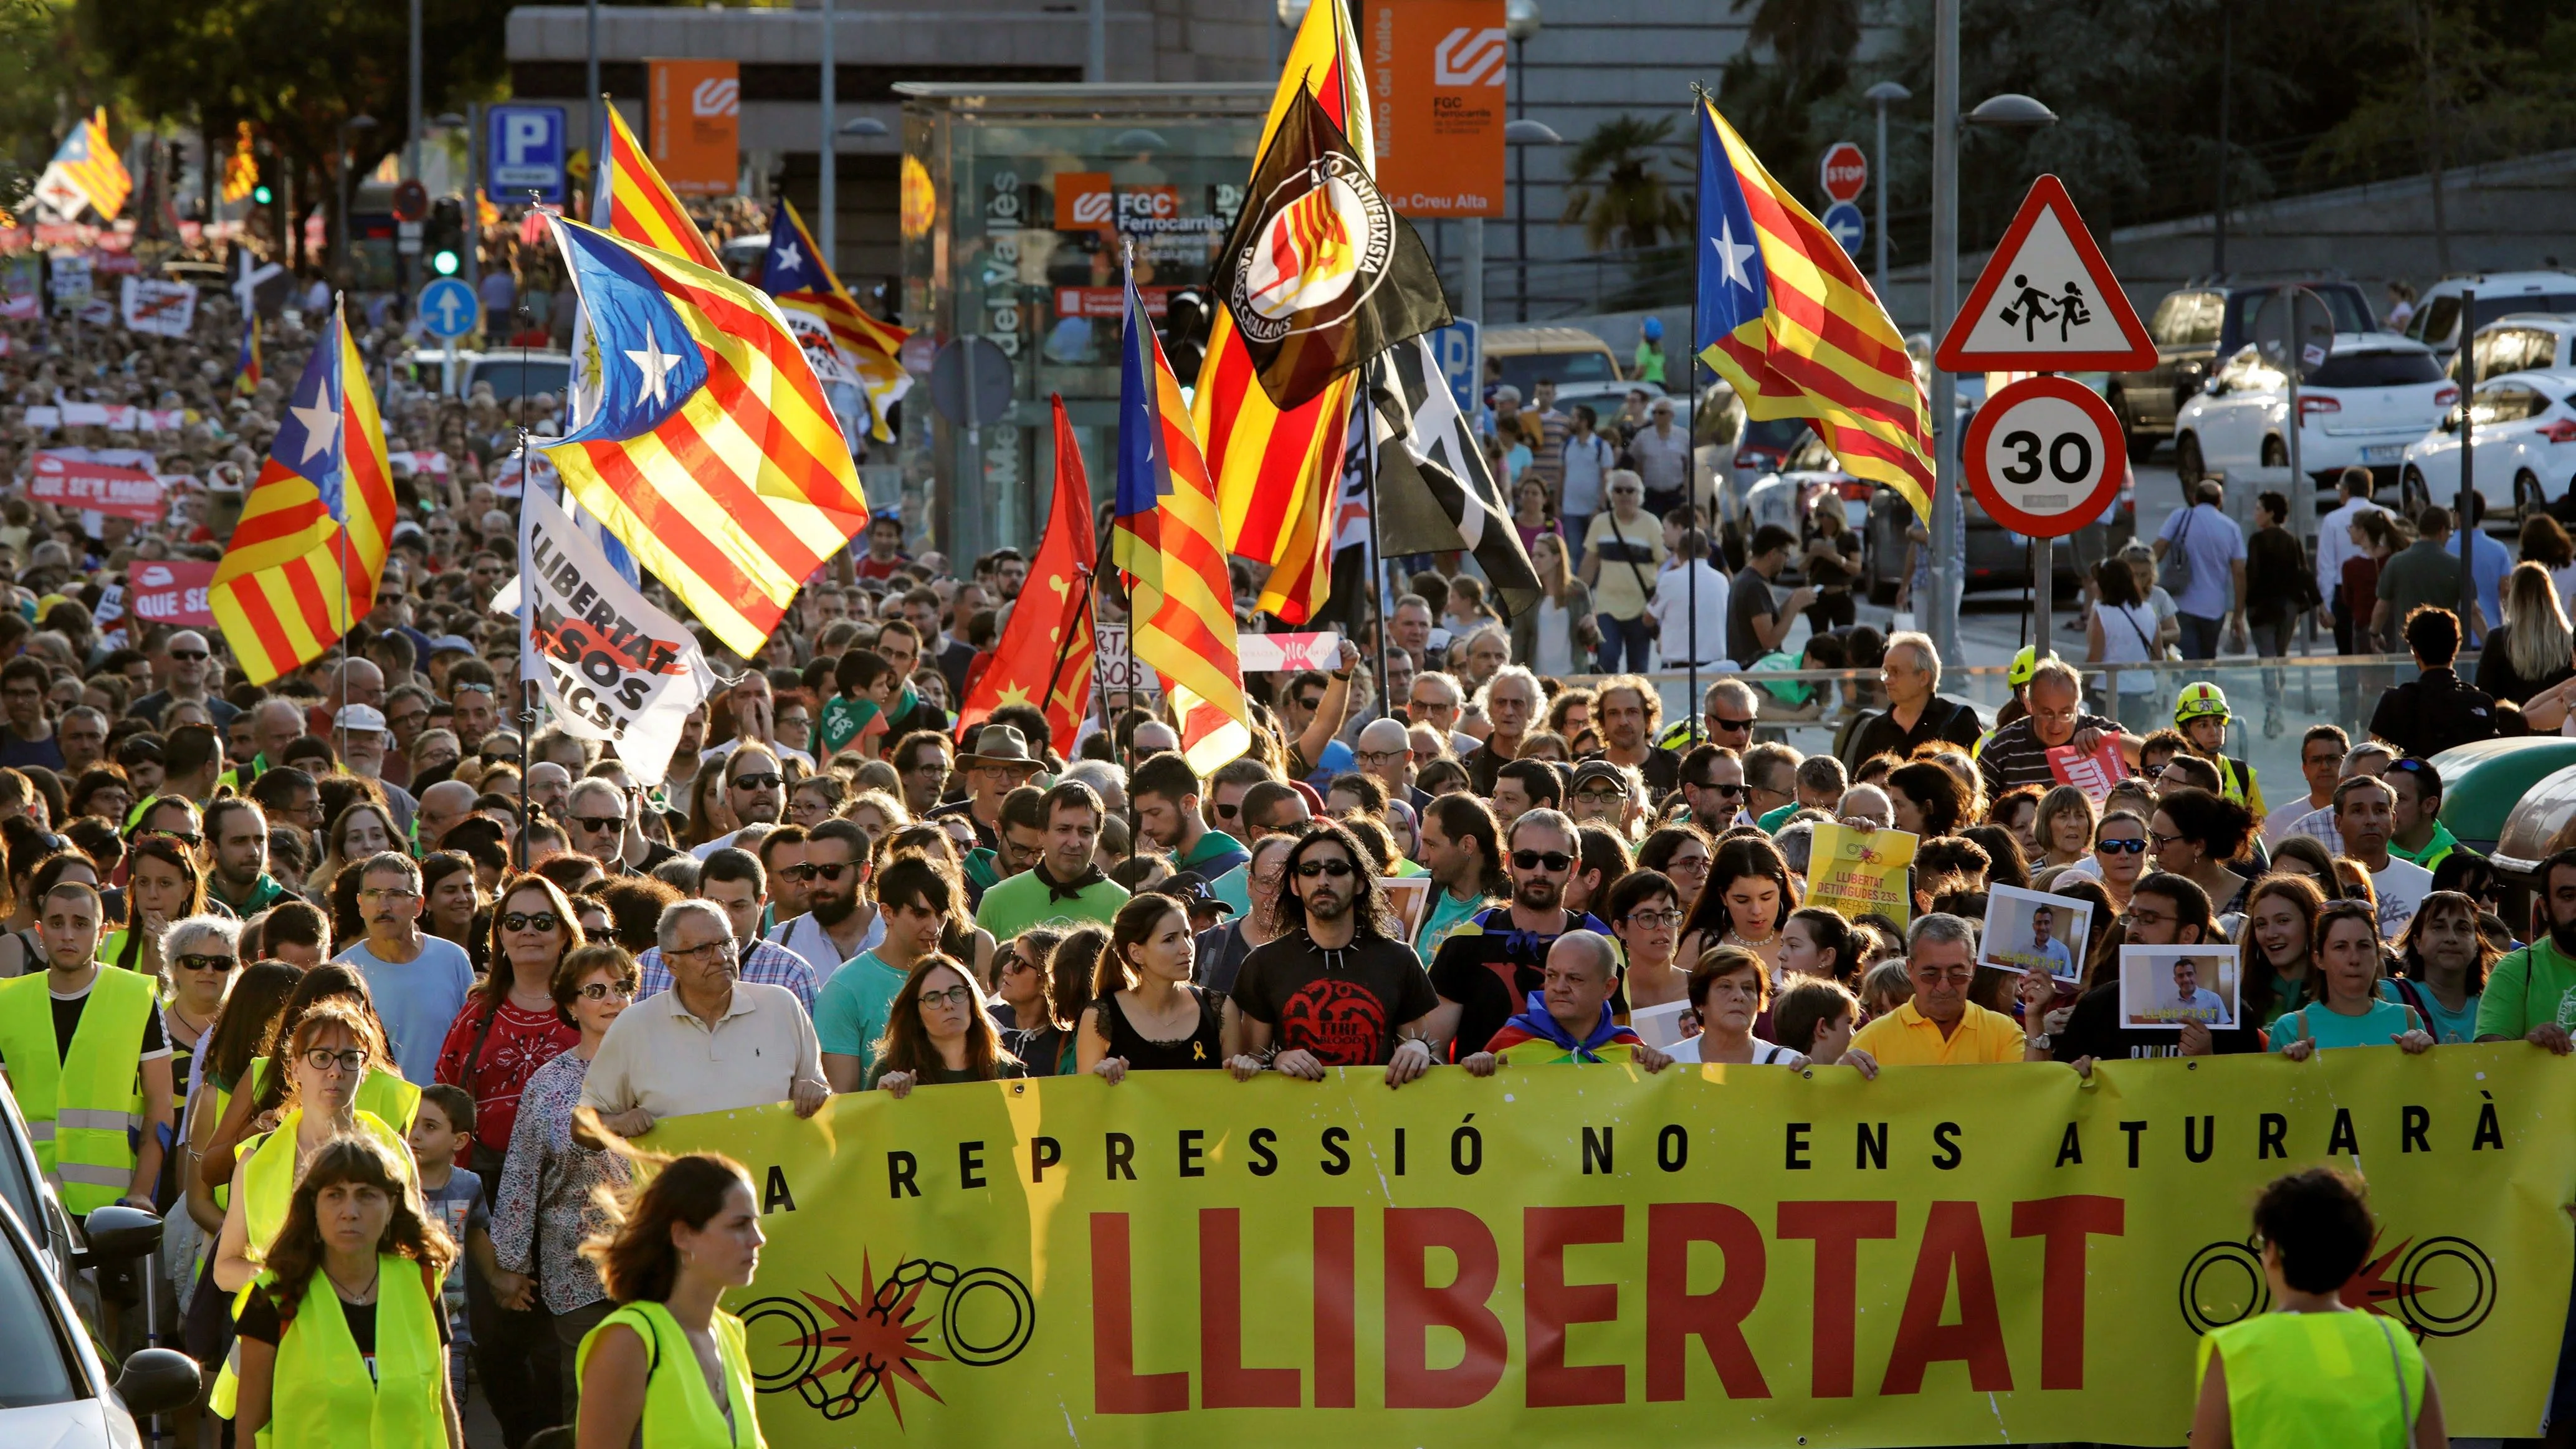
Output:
x=452 y=1197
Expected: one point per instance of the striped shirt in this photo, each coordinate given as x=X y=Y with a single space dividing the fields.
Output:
x=766 y=962
x=2014 y=757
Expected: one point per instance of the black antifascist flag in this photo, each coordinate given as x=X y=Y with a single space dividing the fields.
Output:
x=1319 y=273
x=1434 y=492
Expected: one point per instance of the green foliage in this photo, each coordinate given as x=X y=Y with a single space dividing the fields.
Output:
x=1621 y=189
x=46 y=81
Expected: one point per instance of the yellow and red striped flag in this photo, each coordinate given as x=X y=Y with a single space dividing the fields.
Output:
x=316 y=528
x=1279 y=471
x=797 y=274
x=86 y=172
x=635 y=203
x=710 y=452
x=1786 y=316
x=1169 y=542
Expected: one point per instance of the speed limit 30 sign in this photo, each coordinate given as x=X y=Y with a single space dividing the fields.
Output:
x=2045 y=456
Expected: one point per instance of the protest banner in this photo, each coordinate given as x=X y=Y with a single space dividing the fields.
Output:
x=159 y=309
x=70 y=282
x=1594 y=1257
x=614 y=667
x=1287 y=653
x=118 y=482
x=173 y=591
x=1862 y=872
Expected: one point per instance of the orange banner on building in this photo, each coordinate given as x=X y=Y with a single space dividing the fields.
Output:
x=695 y=114
x=1436 y=76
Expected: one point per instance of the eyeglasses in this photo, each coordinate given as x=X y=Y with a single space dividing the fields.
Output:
x=703 y=951
x=408 y=718
x=607 y=990
x=1730 y=725
x=761 y=780
x=1309 y=869
x=388 y=895
x=2164 y=841
x=189 y=656
x=1654 y=920
x=469 y=689
x=958 y=995
x=1687 y=865
x=1380 y=759
x=833 y=871
x=2120 y=847
x=1534 y=859
x=349 y=1060
x=795 y=872
x=531 y=921
x=209 y=963
x=597 y=823
x=1600 y=797
x=2152 y=772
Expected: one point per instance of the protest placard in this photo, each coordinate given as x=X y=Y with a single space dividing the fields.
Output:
x=2094 y=774
x=155 y=308
x=1862 y=872
x=173 y=591
x=2033 y=931
x=2165 y=986
x=118 y=482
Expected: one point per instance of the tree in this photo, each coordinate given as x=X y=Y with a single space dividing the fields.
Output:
x=1619 y=191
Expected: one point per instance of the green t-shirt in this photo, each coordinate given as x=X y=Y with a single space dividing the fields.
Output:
x=1213 y=845
x=2330 y=1028
x=1773 y=820
x=2448 y=1027
x=2526 y=988
x=850 y=1010
x=842 y=721
x=1024 y=901
x=2442 y=844
x=1443 y=917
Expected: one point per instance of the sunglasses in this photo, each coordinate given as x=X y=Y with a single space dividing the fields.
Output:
x=209 y=963
x=795 y=872
x=1309 y=869
x=1535 y=859
x=834 y=871
x=604 y=990
x=1730 y=725
x=764 y=780
x=2121 y=847
x=189 y=655
x=597 y=823
x=531 y=921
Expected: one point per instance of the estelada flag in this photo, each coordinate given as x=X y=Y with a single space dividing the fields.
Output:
x=317 y=525
x=1319 y=273
x=1045 y=651
x=796 y=273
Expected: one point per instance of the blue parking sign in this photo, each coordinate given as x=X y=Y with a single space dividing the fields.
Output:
x=525 y=151
x=1458 y=347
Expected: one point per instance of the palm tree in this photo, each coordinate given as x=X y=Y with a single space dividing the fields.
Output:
x=1620 y=193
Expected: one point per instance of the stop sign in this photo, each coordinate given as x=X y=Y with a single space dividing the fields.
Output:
x=1844 y=171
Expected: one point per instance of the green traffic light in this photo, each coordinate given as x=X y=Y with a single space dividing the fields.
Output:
x=262 y=195
x=444 y=263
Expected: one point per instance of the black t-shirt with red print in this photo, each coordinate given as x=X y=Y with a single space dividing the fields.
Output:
x=1342 y=1005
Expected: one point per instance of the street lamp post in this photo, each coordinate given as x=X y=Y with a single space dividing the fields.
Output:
x=1520 y=22
x=827 y=197
x=1883 y=95
x=590 y=88
x=348 y=263
x=411 y=138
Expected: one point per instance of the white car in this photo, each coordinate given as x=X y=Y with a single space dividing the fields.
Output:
x=55 y=1391
x=2437 y=319
x=2375 y=394
x=2522 y=342
x=2522 y=448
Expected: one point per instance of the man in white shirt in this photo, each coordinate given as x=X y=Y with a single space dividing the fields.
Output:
x=2364 y=810
x=1662 y=452
x=1673 y=611
x=1586 y=461
x=2321 y=753
x=2335 y=546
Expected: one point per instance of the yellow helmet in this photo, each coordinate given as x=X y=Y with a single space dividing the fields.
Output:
x=2199 y=701
x=2024 y=665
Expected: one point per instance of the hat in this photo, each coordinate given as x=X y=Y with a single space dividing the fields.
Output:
x=1591 y=770
x=997 y=744
x=2024 y=665
x=2200 y=701
x=1192 y=890
x=445 y=642
x=360 y=719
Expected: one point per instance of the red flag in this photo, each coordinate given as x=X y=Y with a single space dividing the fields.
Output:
x=1045 y=652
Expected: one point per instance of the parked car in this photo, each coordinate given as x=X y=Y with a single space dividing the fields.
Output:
x=2521 y=342
x=2522 y=454
x=743 y=255
x=56 y=1391
x=2376 y=394
x=2193 y=329
x=513 y=372
x=24 y=1191
x=1568 y=354
x=2437 y=322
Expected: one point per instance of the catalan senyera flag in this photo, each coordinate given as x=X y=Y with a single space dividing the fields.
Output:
x=1168 y=540
x=316 y=527
x=241 y=168
x=633 y=202
x=1277 y=470
x=711 y=453
x=1786 y=316
x=800 y=277
x=246 y=363
x=1045 y=652
x=86 y=172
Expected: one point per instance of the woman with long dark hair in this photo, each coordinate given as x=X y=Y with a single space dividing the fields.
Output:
x=344 y=1336
x=164 y=883
x=1146 y=1016
x=224 y=1056
x=668 y=1366
x=1748 y=898
x=937 y=1031
x=1928 y=799
x=511 y=1025
x=1681 y=852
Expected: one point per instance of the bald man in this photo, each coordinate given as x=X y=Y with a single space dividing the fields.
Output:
x=1386 y=752
x=441 y=806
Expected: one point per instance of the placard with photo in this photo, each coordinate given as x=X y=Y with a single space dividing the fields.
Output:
x=2162 y=987
x=1408 y=897
x=2030 y=930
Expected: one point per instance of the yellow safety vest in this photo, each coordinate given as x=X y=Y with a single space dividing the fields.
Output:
x=679 y=1413
x=387 y=1094
x=2354 y=1380
x=321 y=1391
x=84 y=1107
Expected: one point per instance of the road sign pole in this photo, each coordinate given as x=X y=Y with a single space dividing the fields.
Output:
x=1941 y=613
x=2468 y=487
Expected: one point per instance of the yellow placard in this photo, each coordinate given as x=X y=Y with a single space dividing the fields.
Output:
x=1862 y=872
x=1599 y=1257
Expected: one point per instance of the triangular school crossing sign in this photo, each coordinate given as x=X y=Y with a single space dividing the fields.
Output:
x=2046 y=301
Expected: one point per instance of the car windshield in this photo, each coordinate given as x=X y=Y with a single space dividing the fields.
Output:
x=2377 y=369
x=33 y=1367
x=2246 y=310
x=1777 y=434
x=512 y=378
x=17 y=1188
x=1523 y=370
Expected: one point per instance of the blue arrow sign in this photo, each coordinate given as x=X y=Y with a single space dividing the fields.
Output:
x=1843 y=221
x=449 y=309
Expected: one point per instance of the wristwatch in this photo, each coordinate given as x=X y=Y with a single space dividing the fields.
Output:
x=2039 y=1040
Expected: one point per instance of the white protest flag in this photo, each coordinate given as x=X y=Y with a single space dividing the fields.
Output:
x=615 y=668
x=163 y=309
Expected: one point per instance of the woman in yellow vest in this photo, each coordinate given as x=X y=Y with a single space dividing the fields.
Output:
x=2314 y=1371
x=256 y=1107
x=667 y=1369
x=344 y=1334
x=332 y=1048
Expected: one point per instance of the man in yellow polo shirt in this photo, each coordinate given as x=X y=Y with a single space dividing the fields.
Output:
x=1940 y=1026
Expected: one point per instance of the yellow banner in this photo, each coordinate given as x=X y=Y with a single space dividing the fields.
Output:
x=1723 y=1254
x=1862 y=872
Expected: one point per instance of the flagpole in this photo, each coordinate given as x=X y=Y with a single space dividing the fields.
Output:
x=339 y=717
x=1690 y=462
x=527 y=646
x=1376 y=591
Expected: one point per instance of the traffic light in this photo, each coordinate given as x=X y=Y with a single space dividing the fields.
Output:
x=444 y=238
x=262 y=194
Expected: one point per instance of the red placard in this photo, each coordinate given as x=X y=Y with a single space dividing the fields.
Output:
x=2046 y=300
x=171 y=591
x=2045 y=456
x=71 y=481
x=1843 y=171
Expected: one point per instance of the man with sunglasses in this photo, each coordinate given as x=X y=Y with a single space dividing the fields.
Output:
x=182 y=670
x=1335 y=990
x=755 y=790
x=1067 y=884
x=1488 y=964
x=595 y=821
x=1712 y=784
x=2415 y=830
x=419 y=981
x=839 y=922
x=71 y=1029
